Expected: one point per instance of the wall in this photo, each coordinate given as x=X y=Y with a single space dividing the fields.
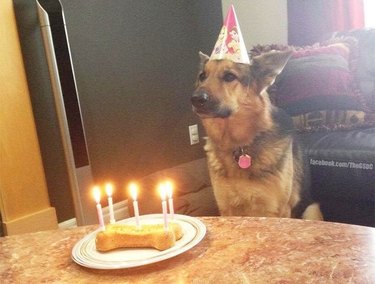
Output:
x=135 y=72
x=261 y=22
x=369 y=8
x=24 y=199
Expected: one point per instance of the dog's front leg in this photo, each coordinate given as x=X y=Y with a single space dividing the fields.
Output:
x=312 y=212
x=226 y=212
x=223 y=204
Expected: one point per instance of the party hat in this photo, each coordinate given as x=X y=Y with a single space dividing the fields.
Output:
x=230 y=44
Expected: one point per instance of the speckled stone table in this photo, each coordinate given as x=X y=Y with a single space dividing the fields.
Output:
x=234 y=250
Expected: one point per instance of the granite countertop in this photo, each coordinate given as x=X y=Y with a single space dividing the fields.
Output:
x=234 y=250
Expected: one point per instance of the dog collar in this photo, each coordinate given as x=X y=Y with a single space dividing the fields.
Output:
x=242 y=157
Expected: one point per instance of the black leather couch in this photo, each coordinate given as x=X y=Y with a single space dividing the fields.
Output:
x=337 y=129
x=343 y=174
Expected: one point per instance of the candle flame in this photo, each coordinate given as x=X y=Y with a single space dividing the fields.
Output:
x=96 y=192
x=169 y=188
x=133 y=191
x=109 y=189
x=163 y=191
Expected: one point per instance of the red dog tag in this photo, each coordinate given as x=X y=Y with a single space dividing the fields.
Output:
x=244 y=161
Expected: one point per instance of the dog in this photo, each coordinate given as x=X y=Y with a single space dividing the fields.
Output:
x=254 y=161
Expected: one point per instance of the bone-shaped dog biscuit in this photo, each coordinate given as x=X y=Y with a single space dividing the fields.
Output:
x=129 y=236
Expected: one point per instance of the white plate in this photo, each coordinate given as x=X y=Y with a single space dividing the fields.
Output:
x=84 y=252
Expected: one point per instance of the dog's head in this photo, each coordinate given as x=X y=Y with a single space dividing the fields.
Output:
x=223 y=87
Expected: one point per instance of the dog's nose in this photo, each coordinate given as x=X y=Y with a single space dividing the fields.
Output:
x=199 y=99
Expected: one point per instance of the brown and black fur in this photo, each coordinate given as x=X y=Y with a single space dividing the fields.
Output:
x=232 y=101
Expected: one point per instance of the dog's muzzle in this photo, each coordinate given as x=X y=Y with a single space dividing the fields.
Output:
x=206 y=106
x=200 y=100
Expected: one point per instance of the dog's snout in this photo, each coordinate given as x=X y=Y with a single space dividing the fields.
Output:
x=200 y=98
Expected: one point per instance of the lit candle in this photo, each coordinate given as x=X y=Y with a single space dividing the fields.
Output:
x=109 y=191
x=169 y=189
x=133 y=192
x=162 y=191
x=96 y=191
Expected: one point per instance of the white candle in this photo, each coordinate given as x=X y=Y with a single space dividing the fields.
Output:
x=109 y=191
x=99 y=210
x=133 y=192
x=162 y=191
x=169 y=189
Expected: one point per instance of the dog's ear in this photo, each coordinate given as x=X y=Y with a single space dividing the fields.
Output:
x=265 y=67
x=203 y=59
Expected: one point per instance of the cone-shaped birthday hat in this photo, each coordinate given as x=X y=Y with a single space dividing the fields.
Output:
x=230 y=44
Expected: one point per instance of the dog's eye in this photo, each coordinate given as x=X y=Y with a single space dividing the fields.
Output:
x=229 y=77
x=202 y=76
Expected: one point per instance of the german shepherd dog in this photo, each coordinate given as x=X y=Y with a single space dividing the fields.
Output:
x=241 y=123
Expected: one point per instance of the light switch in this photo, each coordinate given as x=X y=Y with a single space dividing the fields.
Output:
x=193 y=134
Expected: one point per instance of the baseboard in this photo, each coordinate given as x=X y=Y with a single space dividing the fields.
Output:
x=71 y=223
x=120 y=210
x=37 y=221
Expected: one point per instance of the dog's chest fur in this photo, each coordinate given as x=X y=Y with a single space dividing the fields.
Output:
x=264 y=189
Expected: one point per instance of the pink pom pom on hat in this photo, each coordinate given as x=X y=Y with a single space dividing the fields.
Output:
x=230 y=44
